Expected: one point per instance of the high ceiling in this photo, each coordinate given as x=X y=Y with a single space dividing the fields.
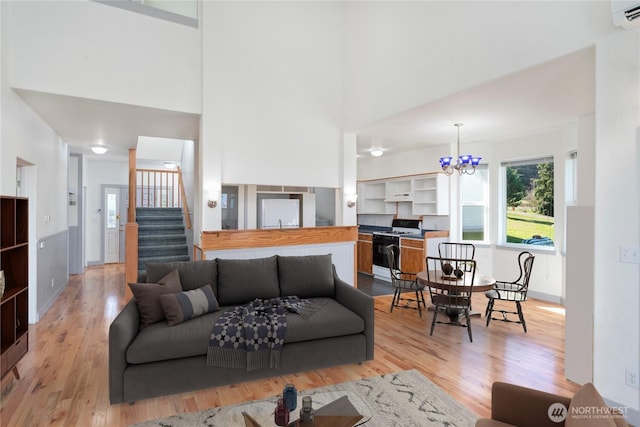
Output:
x=547 y=95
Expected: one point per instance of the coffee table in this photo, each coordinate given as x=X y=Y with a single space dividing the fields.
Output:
x=335 y=408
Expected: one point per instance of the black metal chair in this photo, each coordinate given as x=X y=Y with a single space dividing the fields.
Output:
x=451 y=286
x=515 y=291
x=404 y=282
x=454 y=250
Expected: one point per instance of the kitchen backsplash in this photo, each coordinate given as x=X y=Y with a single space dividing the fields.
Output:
x=428 y=222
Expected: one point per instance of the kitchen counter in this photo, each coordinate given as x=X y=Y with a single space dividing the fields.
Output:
x=370 y=229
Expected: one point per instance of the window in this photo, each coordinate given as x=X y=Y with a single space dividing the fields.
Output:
x=528 y=201
x=474 y=201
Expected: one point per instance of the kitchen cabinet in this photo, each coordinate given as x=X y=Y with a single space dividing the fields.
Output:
x=430 y=195
x=418 y=195
x=14 y=262
x=398 y=190
x=412 y=255
x=371 y=198
x=365 y=253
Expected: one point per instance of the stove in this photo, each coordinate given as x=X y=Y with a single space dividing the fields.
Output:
x=382 y=239
x=402 y=226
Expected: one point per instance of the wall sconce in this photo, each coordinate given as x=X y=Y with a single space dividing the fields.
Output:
x=351 y=200
x=213 y=198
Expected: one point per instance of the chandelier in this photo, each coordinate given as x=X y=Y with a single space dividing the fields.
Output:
x=464 y=164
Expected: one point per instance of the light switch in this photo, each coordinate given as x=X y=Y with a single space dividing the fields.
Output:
x=630 y=254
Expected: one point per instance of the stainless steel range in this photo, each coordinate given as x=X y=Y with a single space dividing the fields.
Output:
x=382 y=239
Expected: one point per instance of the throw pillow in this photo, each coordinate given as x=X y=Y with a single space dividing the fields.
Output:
x=588 y=409
x=306 y=276
x=147 y=297
x=185 y=305
x=193 y=274
x=243 y=280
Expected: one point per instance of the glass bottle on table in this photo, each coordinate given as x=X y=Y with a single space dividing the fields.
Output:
x=307 y=413
x=281 y=415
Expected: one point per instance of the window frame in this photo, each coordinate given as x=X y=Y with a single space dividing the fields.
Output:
x=502 y=203
x=486 y=203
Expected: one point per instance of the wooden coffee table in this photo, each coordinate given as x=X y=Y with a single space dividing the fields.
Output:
x=332 y=409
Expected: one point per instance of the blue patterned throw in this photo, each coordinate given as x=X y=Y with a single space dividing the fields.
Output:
x=251 y=336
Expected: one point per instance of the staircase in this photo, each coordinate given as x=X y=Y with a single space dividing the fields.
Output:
x=161 y=236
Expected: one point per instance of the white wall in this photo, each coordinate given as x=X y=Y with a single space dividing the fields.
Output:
x=399 y=55
x=101 y=172
x=91 y=50
x=272 y=88
x=617 y=209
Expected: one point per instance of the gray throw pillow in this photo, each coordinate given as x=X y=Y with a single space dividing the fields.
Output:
x=193 y=274
x=147 y=297
x=306 y=276
x=243 y=280
x=188 y=304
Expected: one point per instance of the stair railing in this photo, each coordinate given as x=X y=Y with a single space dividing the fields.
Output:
x=162 y=189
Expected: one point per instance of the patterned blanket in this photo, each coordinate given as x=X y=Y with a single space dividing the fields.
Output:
x=251 y=336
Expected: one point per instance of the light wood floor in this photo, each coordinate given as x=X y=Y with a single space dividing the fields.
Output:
x=64 y=374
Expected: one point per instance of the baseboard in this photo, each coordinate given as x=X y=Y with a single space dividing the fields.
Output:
x=546 y=297
x=632 y=415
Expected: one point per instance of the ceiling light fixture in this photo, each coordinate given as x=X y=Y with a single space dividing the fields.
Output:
x=376 y=153
x=99 y=149
x=465 y=163
x=170 y=165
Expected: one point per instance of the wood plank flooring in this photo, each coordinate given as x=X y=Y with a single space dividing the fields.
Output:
x=64 y=375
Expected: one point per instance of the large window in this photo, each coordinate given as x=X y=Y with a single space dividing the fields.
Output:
x=528 y=200
x=474 y=198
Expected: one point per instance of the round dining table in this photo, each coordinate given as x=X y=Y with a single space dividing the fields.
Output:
x=437 y=279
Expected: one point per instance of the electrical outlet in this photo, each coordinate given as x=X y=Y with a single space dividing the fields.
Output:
x=630 y=254
x=631 y=378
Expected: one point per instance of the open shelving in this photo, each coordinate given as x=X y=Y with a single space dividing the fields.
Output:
x=14 y=262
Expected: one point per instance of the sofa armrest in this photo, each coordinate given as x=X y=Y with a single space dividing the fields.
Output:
x=522 y=406
x=361 y=304
x=122 y=331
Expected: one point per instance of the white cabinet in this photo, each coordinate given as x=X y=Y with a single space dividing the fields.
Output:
x=371 y=198
x=398 y=190
x=430 y=195
x=420 y=194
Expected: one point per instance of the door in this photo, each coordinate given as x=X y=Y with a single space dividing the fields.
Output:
x=111 y=225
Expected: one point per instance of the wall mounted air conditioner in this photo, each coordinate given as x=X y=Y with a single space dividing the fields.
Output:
x=626 y=14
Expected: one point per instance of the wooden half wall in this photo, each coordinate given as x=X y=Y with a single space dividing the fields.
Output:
x=339 y=241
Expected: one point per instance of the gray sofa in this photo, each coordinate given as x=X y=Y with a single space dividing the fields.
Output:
x=161 y=359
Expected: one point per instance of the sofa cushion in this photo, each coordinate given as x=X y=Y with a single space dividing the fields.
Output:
x=185 y=305
x=191 y=338
x=147 y=297
x=193 y=274
x=243 y=280
x=588 y=409
x=162 y=342
x=306 y=276
x=332 y=320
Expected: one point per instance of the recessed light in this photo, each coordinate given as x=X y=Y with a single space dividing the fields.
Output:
x=99 y=149
x=376 y=153
x=170 y=165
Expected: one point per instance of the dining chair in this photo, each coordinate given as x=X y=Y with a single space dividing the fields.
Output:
x=456 y=250
x=403 y=282
x=450 y=283
x=515 y=291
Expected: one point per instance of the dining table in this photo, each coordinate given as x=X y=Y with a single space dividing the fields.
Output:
x=440 y=280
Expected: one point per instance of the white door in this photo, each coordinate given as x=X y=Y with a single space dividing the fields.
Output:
x=111 y=225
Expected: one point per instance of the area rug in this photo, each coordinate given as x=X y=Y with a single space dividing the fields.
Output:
x=404 y=399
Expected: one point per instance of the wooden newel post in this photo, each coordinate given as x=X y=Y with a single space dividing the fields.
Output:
x=131 y=229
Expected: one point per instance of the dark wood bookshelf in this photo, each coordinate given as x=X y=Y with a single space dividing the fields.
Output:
x=14 y=262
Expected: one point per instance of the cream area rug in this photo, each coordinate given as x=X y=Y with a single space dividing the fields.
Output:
x=403 y=399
